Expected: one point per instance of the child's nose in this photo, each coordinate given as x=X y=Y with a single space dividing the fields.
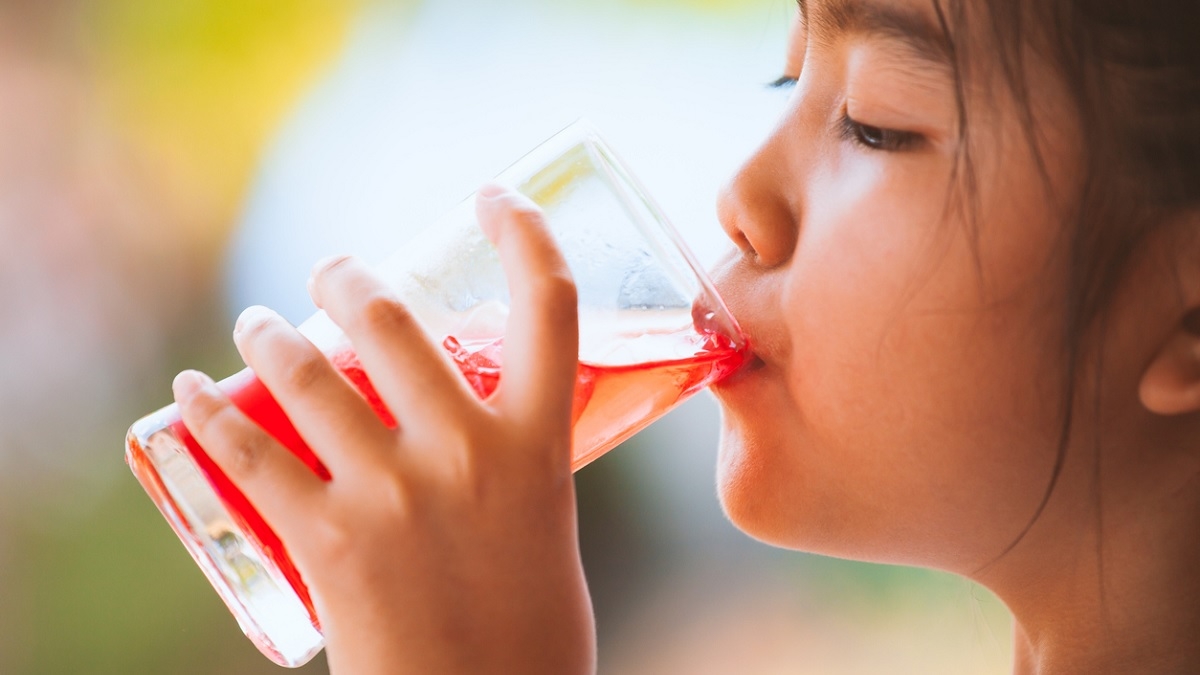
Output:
x=754 y=211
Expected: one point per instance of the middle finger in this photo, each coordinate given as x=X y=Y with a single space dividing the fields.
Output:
x=331 y=417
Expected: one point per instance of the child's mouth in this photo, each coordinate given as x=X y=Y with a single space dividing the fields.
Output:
x=751 y=365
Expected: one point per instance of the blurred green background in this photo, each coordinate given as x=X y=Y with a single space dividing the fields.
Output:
x=146 y=147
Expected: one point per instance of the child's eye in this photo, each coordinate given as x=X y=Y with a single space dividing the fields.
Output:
x=877 y=138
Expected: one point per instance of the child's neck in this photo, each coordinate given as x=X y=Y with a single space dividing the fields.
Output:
x=1111 y=587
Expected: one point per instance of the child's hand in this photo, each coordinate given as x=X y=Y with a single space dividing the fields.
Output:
x=447 y=545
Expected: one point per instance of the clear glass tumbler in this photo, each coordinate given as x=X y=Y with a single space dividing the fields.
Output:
x=652 y=332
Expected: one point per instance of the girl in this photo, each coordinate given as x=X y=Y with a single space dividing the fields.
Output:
x=968 y=259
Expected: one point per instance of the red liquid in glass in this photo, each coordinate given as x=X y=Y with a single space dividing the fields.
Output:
x=611 y=404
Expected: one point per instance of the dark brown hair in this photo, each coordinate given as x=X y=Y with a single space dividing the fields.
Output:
x=1132 y=72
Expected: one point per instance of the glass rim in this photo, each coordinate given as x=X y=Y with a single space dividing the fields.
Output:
x=583 y=132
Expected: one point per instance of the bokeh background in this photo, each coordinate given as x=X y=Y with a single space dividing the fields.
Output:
x=163 y=164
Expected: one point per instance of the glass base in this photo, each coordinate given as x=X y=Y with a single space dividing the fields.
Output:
x=266 y=607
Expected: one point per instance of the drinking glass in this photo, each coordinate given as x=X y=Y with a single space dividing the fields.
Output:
x=652 y=333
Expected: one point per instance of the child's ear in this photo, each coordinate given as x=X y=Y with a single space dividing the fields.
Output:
x=1171 y=382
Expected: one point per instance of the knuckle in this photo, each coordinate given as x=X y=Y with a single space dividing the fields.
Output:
x=334 y=541
x=557 y=290
x=246 y=455
x=307 y=371
x=331 y=534
x=384 y=311
x=459 y=441
x=396 y=493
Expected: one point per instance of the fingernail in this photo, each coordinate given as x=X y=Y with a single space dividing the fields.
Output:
x=187 y=383
x=492 y=191
x=327 y=261
x=253 y=315
x=488 y=201
x=493 y=199
x=320 y=268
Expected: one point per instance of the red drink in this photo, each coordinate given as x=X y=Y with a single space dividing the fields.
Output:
x=611 y=404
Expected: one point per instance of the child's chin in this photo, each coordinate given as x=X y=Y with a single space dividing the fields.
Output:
x=777 y=503
x=746 y=490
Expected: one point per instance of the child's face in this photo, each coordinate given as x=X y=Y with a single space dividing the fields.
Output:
x=907 y=407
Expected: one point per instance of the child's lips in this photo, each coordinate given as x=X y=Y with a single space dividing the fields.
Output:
x=751 y=365
x=735 y=280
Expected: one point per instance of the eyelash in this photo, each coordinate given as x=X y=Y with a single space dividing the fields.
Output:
x=783 y=82
x=877 y=138
x=864 y=135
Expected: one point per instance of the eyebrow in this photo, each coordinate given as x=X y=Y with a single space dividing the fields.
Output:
x=926 y=40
